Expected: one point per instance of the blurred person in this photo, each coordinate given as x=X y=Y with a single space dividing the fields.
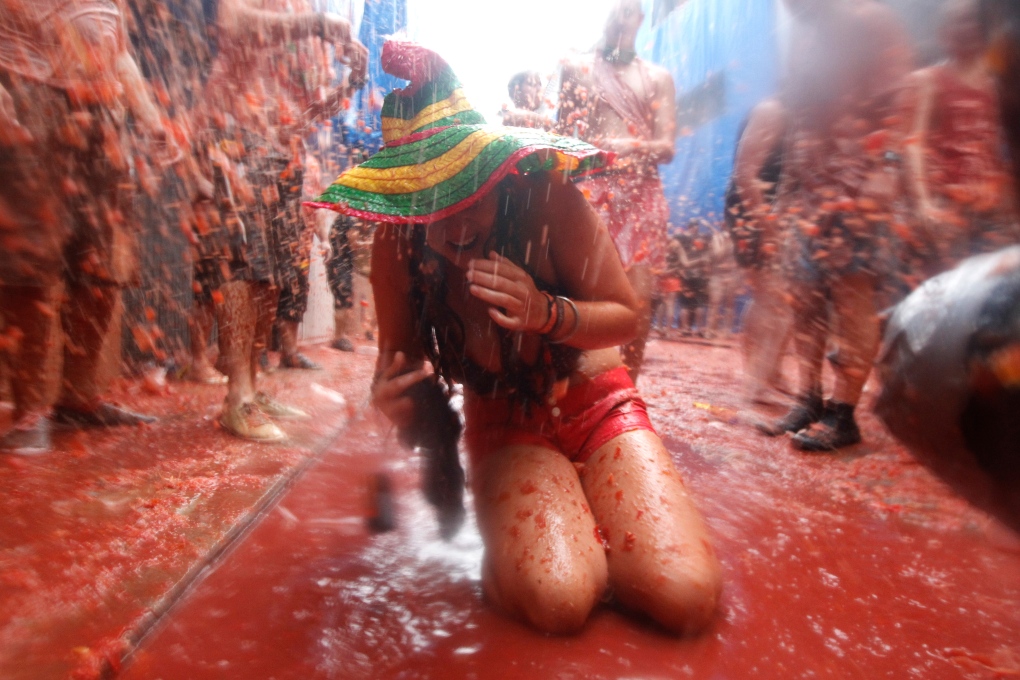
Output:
x=847 y=61
x=959 y=178
x=664 y=305
x=347 y=270
x=263 y=93
x=722 y=285
x=621 y=103
x=695 y=267
x=754 y=229
x=346 y=243
x=1001 y=22
x=66 y=77
x=491 y=289
x=172 y=50
x=525 y=90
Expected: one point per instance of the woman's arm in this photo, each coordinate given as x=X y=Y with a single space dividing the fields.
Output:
x=401 y=361
x=586 y=264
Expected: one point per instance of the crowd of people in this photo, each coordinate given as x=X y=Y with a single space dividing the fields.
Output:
x=858 y=180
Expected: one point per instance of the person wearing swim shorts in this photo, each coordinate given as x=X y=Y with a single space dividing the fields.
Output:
x=479 y=280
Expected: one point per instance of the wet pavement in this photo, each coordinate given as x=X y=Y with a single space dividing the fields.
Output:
x=100 y=537
x=237 y=560
x=856 y=565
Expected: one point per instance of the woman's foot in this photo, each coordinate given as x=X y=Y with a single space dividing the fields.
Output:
x=247 y=421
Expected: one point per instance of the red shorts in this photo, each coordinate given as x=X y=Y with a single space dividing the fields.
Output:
x=588 y=416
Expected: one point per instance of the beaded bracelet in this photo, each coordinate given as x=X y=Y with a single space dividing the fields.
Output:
x=577 y=319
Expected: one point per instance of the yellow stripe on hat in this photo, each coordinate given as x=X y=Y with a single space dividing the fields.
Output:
x=408 y=179
x=395 y=128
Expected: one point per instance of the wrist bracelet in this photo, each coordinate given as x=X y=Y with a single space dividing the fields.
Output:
x=577 y=319
x=551 y=311
x=560 y=313
x=320 y=25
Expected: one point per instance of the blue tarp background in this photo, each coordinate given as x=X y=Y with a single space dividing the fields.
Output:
x=381 y=19
x=697 y=39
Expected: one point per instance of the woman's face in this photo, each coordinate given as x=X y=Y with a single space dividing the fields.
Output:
x=462 y=236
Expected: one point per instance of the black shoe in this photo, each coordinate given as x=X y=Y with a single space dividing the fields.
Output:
x=808 y=410
x=299 y=361
x=836 y=430
x=342 y=344
x=104 y=415
x=29 y=437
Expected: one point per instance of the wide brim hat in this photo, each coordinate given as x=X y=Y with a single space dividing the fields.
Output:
x=439 y=157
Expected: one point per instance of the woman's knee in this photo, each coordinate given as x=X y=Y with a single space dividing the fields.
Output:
x=683 y=600
x=554 y=600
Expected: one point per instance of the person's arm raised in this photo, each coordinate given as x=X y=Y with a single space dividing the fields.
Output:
x=253 y=26
x=601 y=309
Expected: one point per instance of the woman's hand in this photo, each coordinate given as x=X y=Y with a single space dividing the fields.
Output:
x=517 y=304
x=389 y=388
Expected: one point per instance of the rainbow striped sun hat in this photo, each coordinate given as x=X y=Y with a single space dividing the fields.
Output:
x=439 y=156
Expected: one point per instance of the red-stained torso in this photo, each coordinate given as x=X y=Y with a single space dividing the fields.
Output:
x=965 y=135
x=591 y=116
x=264 y=88
x=842 y=75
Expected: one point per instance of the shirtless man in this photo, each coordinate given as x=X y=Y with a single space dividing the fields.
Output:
x=66 y=77
x=752 y=221
x=258 y=118
x=958 y=177
x=623 y=104
x=846 y=61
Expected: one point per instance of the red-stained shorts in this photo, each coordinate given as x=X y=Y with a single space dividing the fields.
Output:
x=588 y=416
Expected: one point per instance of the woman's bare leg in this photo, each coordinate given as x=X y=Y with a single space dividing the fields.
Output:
x=660 y=559
x=543 y=561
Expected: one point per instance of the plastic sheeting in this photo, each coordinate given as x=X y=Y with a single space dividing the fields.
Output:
x=949 y=368
x=724 y=59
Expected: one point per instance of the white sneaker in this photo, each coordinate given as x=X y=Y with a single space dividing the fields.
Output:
x=275 y=409
x=247 y=421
